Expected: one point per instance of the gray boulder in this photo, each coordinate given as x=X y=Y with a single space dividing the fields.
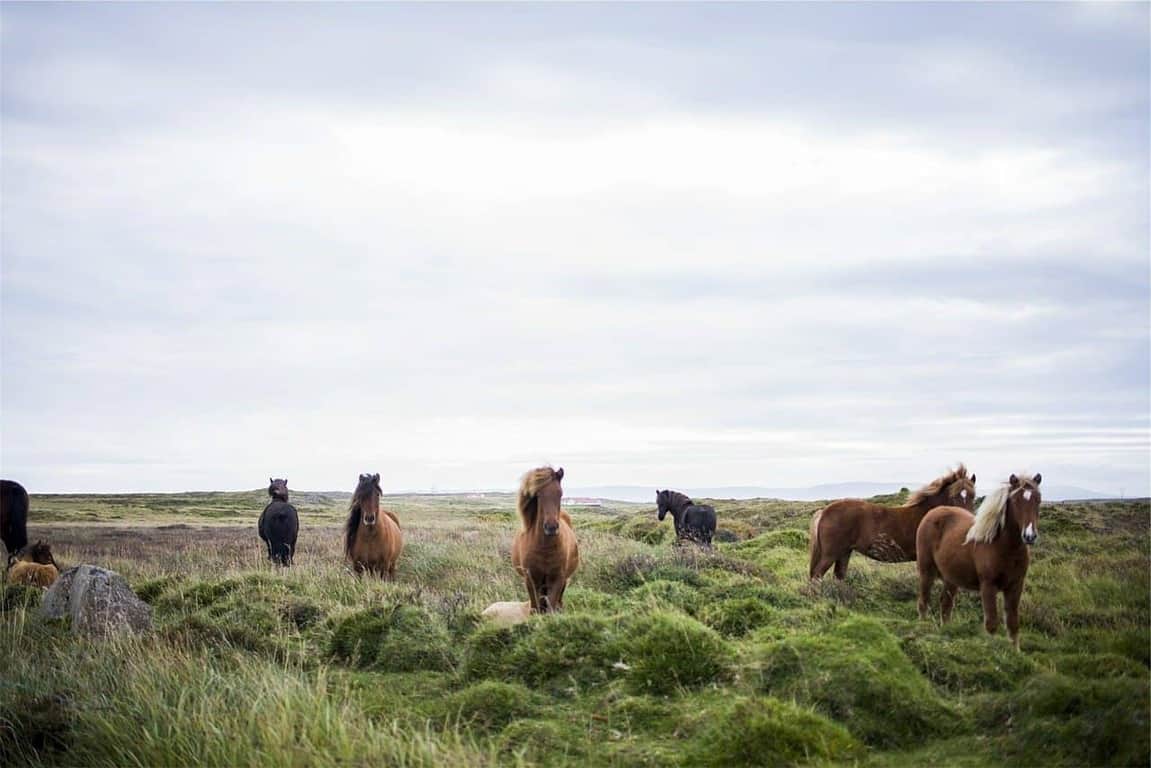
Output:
x=98 y=601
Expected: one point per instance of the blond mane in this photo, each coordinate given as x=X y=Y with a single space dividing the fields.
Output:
x=530 y=485
x=936 y=485
x=992 y=513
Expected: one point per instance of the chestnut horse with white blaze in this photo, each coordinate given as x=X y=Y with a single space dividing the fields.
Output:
x=372 y=540
x=988 y=552
x=886 y=534
x=545 y=551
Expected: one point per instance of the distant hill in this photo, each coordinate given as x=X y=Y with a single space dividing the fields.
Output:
x=860 y=490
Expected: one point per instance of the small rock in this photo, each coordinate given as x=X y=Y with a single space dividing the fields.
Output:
x=507 y=614
x=98 y=601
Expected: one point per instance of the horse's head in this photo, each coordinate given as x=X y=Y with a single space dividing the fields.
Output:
x=548 y=500
x=39 y=552
x=1023 y=505
x=960 y=492
x=367 y=498
x=278 y=488
x=662 y=504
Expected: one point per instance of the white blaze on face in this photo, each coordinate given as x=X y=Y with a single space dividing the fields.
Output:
x=963 y=494
x=1027 y=495
x=1029 y=531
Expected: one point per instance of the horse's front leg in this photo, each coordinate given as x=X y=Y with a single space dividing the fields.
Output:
x=534 y=593
x=990 y=594
x=1011 y=609
x=556 y=597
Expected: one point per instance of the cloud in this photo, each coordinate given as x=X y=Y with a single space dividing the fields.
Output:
x=220 y=268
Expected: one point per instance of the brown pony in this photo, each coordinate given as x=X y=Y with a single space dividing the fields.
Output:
x=886 y=534
x=988 y=552
x=545 y=551
x=372 y=542
x=33 y=565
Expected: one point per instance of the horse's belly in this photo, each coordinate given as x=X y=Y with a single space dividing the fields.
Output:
x=884 y=548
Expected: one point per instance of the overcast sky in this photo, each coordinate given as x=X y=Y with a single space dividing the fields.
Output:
x=674 y=245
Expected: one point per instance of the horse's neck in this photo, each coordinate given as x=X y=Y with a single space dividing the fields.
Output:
x=918 y=510
x=1010 y=535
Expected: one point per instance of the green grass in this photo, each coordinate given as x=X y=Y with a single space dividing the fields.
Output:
x=665 y=656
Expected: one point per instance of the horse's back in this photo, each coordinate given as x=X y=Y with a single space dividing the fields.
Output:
x=942 y=526
x=699 y=522
x=281 y=518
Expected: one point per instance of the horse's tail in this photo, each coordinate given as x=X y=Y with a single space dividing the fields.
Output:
x=816 y=549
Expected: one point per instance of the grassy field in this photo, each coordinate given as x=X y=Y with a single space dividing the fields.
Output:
x=664 y=657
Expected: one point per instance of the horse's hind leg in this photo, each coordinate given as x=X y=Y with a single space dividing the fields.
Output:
x=841 y=566
x=947 y=600
x=926 y=580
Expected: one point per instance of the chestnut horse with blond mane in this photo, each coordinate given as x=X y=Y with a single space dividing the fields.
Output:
x=545 y=551
x=988 y=552
x=372 y=541
x=886 y=534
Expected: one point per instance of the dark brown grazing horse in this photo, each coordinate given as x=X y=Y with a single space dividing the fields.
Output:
x=886 y=534
x=545 y=551
x=988 y=552
x=372 y=541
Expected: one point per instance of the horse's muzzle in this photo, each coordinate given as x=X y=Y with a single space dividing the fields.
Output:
x=551 y=529
x=1030 y=535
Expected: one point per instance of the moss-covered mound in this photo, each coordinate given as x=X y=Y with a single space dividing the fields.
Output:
x=557 y=652
x=661 y=593
x=567 y=651
x=403 y=638
x=1059 y=720
x=539 y=741
x=767 y=731
x=668 y=650
x=855 y=673
x=736 y=616
x=969 y=664
x=489 y=652
x=490 y=705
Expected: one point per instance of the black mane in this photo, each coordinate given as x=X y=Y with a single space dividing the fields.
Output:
x=368 y=484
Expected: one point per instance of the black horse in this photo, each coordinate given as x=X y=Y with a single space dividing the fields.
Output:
x=279 y=524
x=13 y=516
x=693 y=522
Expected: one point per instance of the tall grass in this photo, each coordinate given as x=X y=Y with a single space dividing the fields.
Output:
x=664 y=656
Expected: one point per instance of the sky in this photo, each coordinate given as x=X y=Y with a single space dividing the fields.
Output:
x=656 y=244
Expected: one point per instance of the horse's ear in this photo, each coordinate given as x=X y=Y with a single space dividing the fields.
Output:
x=270 y=481
x=1038 y=478
x=560 y=473
x=376 y=478
x=973 y=479
x=1013 y=481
